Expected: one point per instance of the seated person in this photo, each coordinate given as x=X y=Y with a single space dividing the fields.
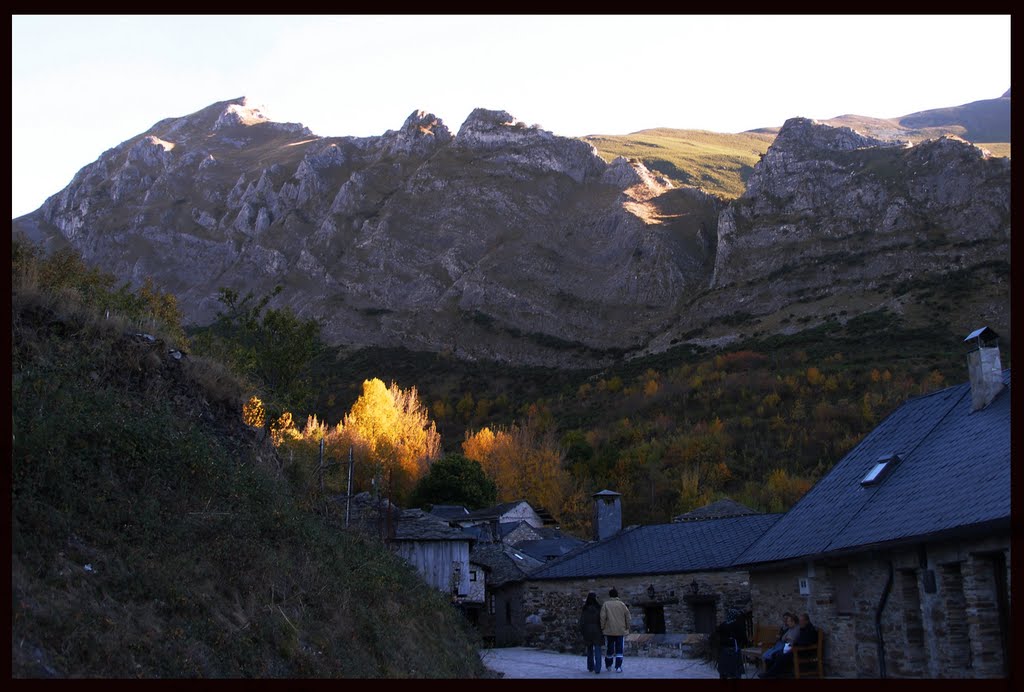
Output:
x=782 y=662
x=787 y=635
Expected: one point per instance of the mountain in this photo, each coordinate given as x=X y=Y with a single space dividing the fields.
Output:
x=985 y=122
x=721 y=163
x=506 y=242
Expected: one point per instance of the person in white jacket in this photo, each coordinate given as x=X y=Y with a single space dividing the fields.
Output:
x=615 y=627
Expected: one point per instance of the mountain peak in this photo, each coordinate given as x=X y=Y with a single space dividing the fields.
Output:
x=806 y=132
x=240 y=112
x=221 y=117
x=420 y=133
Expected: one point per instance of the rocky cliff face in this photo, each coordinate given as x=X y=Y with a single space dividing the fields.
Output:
x=507 y=242
x=831 y=217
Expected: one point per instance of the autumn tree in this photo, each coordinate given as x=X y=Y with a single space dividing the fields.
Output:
x=525 y=462
x=165 y=311
x=391 y=431
x=701 y=458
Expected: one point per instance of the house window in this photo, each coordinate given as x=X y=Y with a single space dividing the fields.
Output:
x=472 y=575
x=843 y=590
x=490 y=605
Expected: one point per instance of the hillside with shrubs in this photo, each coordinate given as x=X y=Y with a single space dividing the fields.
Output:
x=154 y=534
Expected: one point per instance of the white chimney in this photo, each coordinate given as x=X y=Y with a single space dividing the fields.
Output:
x=984 y=367
x=607 y=514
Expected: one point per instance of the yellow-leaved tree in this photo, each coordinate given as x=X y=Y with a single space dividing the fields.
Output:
x=527 y=463
x=392 y=435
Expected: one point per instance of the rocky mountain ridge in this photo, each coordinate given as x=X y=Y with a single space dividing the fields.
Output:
x=840 y=221
x=507 y=242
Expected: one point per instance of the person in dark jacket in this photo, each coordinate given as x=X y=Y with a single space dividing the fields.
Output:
x=782 y=663
x=590 y=627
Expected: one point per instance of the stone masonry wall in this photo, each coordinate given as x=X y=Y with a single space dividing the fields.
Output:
x=952 y=632
x=553 y=607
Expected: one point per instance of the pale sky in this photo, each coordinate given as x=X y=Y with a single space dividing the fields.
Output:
x=83 y=84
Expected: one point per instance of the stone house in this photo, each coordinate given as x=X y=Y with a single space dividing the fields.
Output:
x=901 y=552
x=508 y=541
x=677 y=578
x=501 y=618
x=494 y=523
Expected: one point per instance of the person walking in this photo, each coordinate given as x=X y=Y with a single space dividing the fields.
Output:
x=590 y=627
x=615 y=627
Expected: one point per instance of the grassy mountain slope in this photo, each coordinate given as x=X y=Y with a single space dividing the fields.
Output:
x=718 y=163
x=987 y=120
x=154 y=537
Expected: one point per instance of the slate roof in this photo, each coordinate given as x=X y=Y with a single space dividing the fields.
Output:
x=417 y=525
x=496 y=511
x=449 y=512
x=661 y=549
x=548 y=548
x=717 y=510
x=493 y=512
x=954 y=475
x=507 y=527
x=479 y=533
x=506 y=564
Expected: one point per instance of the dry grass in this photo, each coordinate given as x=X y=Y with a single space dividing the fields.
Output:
x=718 y=163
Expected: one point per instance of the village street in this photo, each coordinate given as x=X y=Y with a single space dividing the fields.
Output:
x=524 y=662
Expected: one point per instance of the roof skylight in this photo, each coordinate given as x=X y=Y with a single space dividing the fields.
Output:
x=882 y=468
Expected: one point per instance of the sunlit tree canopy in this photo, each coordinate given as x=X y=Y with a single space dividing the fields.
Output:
x=390 y=426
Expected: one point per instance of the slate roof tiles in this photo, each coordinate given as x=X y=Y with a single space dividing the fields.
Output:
x=661 y=549
x=954 y=473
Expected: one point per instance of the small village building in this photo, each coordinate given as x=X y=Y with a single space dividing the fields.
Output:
x=677 y=578
x=495 y=523
x=901 y=553
x=439 y=552
x=502 y=621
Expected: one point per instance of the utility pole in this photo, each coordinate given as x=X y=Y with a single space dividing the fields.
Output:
x=348 y=494
x=321 y=466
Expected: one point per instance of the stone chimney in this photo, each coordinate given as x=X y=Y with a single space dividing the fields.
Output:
x=607 y=514
x=984 y=367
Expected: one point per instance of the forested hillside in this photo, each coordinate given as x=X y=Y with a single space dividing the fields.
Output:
x=758 y=422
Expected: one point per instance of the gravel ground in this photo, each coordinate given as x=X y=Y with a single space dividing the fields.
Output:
x=523 y=662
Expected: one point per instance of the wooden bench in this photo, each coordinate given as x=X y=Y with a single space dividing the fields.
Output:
x=807 y=660
x=764 y=637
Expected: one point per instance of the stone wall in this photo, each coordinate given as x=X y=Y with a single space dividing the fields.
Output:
x=940 y=619
x=552 y=607
x=502 y=622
